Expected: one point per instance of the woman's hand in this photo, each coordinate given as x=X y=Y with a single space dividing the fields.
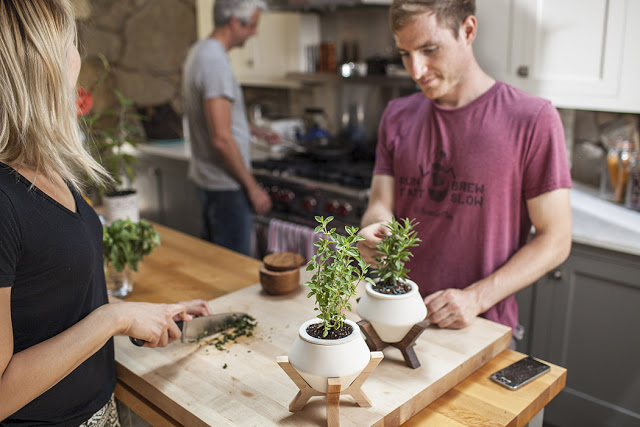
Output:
x=153 y=323
x=196 y=307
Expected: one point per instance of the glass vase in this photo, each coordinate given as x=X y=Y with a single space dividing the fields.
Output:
x=119 y=283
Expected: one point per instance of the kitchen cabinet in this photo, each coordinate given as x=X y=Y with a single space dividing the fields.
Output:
x=281 y=45
x=585 y=317
x=167 y=196
x=580 y=54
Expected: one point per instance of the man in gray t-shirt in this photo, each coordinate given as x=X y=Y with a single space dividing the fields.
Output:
x=219 y=130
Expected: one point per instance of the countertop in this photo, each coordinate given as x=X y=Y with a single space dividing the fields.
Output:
x=596 y=222
x=184 y=267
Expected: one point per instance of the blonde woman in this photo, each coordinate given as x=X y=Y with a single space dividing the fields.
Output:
x=56 y=324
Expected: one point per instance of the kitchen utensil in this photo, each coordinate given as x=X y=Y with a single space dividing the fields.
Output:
x=200 y=327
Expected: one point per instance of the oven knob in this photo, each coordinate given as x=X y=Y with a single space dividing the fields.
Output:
x=309 y=204
x=345 y=209
x=287 y=196
x=273 y=192
x=332 y=206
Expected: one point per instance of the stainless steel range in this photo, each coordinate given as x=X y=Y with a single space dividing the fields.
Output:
x=302 y=188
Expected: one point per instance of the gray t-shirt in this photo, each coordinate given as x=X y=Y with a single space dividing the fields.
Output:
x=208 y=74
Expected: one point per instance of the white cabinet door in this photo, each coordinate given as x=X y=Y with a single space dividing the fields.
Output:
x=577 y=53
x=569 y=47
x=279 y=47
x=494 y=39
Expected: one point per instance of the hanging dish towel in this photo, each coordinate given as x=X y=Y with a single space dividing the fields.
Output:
x=286 y=236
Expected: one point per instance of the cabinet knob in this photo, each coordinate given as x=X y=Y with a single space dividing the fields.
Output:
x=523 y=71
x=556 y=275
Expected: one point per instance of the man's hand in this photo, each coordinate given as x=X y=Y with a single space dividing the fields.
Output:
x=452 y=308
x=260 y=200
x=373 y=234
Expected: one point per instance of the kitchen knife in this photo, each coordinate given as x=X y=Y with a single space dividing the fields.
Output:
x=200 y=327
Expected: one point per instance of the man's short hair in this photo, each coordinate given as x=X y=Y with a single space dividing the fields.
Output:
x=242 y=10
x=448 y=12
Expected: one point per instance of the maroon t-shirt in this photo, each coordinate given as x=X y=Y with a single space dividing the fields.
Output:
x=465 y=174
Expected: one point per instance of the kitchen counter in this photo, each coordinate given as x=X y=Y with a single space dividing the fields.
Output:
x=184 y=267
x=596 y=222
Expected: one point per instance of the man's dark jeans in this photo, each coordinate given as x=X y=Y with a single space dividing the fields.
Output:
x=227 y=219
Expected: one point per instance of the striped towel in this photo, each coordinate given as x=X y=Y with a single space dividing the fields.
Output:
x=286 y=236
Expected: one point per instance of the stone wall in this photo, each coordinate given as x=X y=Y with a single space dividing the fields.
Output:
x=145 y=43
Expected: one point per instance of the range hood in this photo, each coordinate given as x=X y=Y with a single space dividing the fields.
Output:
x=304 y=5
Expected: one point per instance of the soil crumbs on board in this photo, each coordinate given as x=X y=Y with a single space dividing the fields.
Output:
x=317 y=329
x=395 y=289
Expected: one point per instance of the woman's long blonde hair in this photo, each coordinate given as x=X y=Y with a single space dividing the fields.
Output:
x=38 y=123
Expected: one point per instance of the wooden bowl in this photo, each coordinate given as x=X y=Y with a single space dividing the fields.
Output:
x=283 y=261
x=279 y=282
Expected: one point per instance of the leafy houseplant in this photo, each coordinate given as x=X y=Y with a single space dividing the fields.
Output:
x=124 y=244
x=338 y=270
x=112 y=134
x=394 y=252
x=330 y=345
x=393 y=305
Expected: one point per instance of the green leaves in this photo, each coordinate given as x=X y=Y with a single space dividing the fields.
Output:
x=109 y=134
x=338 y=269
x=394 y=251
x=126 y=242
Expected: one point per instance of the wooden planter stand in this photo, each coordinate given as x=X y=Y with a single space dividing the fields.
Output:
x=405 y=345
x=334 y=389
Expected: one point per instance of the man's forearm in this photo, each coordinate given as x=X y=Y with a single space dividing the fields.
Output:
x=376 y=213
x=543 y=253
x=234 y=163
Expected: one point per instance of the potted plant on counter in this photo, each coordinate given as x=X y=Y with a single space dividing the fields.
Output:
x=124 y=244
x=330 y=345
x=112 y=136
x=392 y=304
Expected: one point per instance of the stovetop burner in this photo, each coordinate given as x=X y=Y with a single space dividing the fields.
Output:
x=355 y=174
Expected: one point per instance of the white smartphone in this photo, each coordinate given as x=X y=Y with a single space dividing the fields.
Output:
x=520 y=373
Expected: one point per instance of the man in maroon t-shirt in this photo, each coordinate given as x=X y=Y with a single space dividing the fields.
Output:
x=476 y=162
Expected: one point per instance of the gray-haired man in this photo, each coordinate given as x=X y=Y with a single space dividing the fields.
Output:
x=219 y=130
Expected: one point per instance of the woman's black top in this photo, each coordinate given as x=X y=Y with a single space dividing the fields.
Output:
x=51 y=258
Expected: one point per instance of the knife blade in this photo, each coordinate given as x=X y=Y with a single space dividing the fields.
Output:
x=200 y=327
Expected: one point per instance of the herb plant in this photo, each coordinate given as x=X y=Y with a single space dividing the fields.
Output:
x=339 y=268
x=111 y=134
x=394 y=252
x=126 y=242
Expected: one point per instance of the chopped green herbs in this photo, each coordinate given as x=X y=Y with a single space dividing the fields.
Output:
x=244 y=326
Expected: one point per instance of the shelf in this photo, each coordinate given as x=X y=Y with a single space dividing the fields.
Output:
x=334 y=78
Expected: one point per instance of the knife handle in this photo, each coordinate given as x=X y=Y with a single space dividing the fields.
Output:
x=140 y=342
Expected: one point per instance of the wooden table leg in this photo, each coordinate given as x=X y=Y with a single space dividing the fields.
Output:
x=405 y=345
x=334 y=386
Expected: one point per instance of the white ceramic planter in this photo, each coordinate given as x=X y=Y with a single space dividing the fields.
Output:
x=392 y=316
x=121 y=207
x=316 y=359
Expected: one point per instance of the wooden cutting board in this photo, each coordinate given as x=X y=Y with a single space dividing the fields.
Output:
x=197 y=384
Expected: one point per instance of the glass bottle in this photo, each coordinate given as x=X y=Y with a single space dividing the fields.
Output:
x=615 y=174
x=633 y=186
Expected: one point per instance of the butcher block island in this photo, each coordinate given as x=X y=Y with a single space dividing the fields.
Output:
x=241 y=384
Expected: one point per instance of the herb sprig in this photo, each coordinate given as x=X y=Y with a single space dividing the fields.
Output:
x=395 y=251
x=338 y=270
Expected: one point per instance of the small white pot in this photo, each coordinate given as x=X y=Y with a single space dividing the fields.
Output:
x=317 y=360
x=121 y=207
x=392 y=316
